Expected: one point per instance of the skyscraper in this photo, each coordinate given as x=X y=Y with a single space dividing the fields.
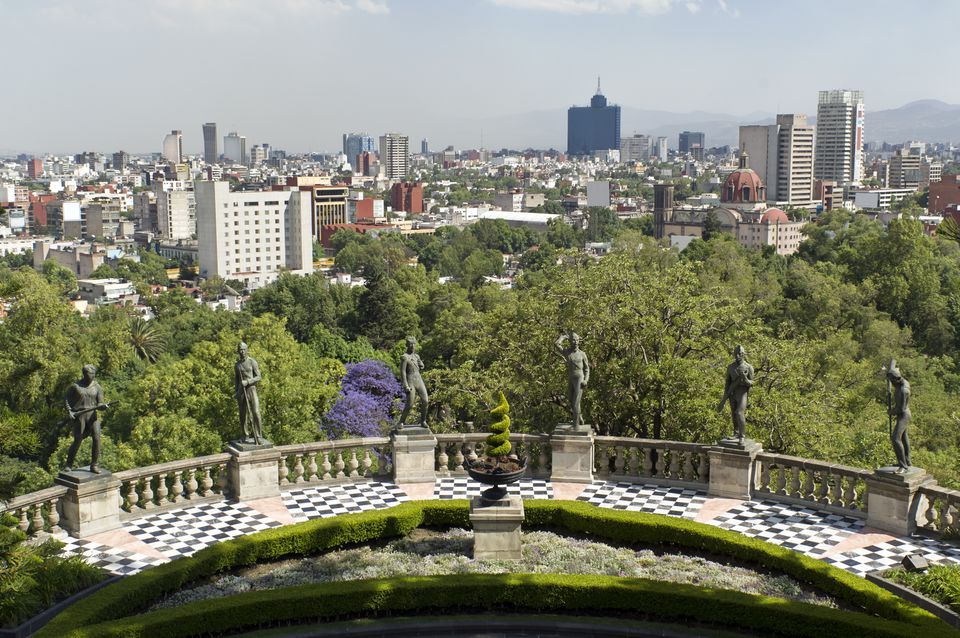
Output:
x=235 y=148
x=356 y=143
x=173 y=147
x=782 y=154
x=210 y=154
x=395 y=155
x=839 y=149
x=635 y=149
x=660 y=150
x=424 y=147
x=593 y=128
x=688 y=139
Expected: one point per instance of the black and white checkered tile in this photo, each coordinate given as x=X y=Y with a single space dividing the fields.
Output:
x=466 y=487
x=883 y=556
x=653 y=499
x=116 y=561
x=801 y=529
x=333 y=500
x=182 y=532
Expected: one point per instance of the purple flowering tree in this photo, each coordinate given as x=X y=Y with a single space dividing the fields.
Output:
x=369 y=395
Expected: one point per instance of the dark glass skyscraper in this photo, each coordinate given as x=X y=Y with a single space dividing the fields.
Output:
x=688 y=139
x=210 y=154
x=593 y=128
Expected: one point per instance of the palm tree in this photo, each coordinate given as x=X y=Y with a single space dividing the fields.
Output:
x=146 y=340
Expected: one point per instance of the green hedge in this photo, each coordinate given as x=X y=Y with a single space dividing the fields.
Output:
x=138 y=592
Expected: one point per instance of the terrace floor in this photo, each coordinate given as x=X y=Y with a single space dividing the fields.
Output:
x=843 y=541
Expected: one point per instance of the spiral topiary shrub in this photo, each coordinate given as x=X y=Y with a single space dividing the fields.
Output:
x=498 y=442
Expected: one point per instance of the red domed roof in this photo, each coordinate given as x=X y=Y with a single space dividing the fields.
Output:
x=774 y=216
x=744 y=186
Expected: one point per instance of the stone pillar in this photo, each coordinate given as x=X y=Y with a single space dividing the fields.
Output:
x=253 y=471
x=91 y=504
x=732 y=468
x=572 y=451
x=414 y=455
x=891 y=499
x=496 y=527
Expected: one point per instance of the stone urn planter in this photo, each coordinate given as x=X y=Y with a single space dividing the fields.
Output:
x=498 y=473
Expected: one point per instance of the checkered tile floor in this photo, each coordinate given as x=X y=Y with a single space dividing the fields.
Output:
x=179 y=533
x=466 y=487
x=884 y=556
x=653 y=499
x=323 y=502
x=801 y=529
x=113 y=560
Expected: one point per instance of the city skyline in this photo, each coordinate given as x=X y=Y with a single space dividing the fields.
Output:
x=174 y=65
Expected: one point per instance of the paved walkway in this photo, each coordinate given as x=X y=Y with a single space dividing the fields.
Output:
x=840 y=540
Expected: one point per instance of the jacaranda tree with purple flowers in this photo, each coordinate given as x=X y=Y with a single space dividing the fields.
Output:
x=369 y=395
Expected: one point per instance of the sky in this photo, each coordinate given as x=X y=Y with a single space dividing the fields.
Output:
x=105 y=75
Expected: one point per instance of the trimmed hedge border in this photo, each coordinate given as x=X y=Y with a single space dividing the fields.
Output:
x=110 y=611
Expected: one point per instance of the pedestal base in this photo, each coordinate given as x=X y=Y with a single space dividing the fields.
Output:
x=731 y=468
x=91 y=504
x=891 y=499
x=243 y=445
x=414 y=459
x=569 y=429
x=253 y=470
x=496 y=527
x=572 y=456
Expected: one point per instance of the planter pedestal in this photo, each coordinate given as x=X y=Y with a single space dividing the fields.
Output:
x=496 y=527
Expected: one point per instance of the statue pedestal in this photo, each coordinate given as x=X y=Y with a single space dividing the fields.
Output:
x=891 y=499
x=414 y=455
x=572 y=452
x=253 y=470
x=496 y=527
x=731 y=468
x=91 y=504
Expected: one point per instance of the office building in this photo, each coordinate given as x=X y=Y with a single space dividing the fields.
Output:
x=424 y=147
x=782 y=155
x=252 y=236
x=687 y=140
x=210 y=155
x=944 y=195
x=356 y=143
x=598 y=193
x=120 y=160
x=235 y=148
x=593 y=128
x=259 y=154
x=407 y=197
x=660 y=153
x=176 y=210
x=635 y=148
x=364 y=164
x=395 y=155
x=328 y=205
x=173 y=147
x=34 y=168
x=839 y=148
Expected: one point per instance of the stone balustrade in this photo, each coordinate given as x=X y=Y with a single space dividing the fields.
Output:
x=893 y=502
x=455 y=450
x=651 y=460
x=155 y=486
x=827 y=486
x=38 y=511
x=938 y=509
x=334 y=461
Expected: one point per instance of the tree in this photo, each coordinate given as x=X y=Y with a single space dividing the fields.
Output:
x=562 y=235
x=303 y=301
x=711 y=226
x=369 y=395
x=385 y=313
x=602 y=224
x=59 y=276
x=146 y=339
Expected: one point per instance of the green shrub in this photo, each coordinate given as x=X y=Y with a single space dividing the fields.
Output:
x=138 y=592
x=939 y=582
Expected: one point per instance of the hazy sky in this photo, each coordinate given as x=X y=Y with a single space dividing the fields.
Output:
x=110 y=74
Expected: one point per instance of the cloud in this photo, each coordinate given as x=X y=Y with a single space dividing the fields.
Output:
x=373 y=6
x=693 y=6
x=580 y=7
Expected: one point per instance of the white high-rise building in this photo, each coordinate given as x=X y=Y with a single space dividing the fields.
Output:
x=782 y=155
x=253 y=236
x=839 y=150
x=635 y=149
x=661 y=149
x=173 y=147
x=395 y=155
x=176 y=210
x=235 y=148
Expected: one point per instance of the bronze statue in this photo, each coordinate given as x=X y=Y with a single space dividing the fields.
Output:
x=83 y=399
x=898 y=407
x=246 y=378
x=578 y=372
x=410 y=367
x=736 y=387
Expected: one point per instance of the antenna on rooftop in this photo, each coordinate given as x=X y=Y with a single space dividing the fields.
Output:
x=598 y=85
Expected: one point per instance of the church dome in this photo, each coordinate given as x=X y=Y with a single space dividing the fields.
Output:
x=774 y=216
x=743 y=186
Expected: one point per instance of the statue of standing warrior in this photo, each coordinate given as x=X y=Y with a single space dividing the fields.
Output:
x=738 y=381
x=246 y=377
x=84 y=398
x=578 y=372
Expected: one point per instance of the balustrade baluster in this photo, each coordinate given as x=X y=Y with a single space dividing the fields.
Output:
x=367 y=462
x=131 y=497
x=283 y=471
x=162 y=489
x=36 y=523
x=354 y=464
x=544 y=459
x=443 y=460
x=339 y=464
x=661 y=461
x=647 y=462
x=221 y=478
x=326 y=466
x=206 y=482
x=850 y=493
x=781 y=480
x=806 y=491
x=619 y=459
x=53 y=516
x=930 y=514
x=674 y=464
x=823 y=488
x=192 y=485
x=836 y=494
x=298 y=469
x=176 y=486
x=24 y=523
x=472 y=453
x=943 y=521
x=146 y=498
x=312 y=466
x=458 y=458
x=688 y=474
x=795 y=481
